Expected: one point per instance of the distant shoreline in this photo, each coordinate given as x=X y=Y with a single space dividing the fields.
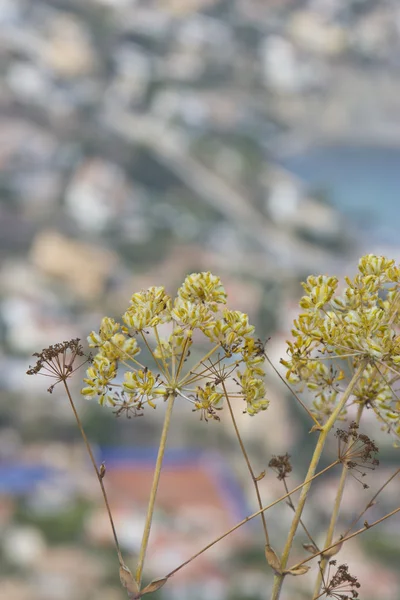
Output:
x=285 y=146
x=361 y=180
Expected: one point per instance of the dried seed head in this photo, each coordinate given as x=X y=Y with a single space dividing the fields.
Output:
x=281 y=465
x=342 y=585
x=57 y=361
x=357 y=451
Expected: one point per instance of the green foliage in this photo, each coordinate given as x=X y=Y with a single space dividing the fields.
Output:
x=63 y=526
x=383 y=547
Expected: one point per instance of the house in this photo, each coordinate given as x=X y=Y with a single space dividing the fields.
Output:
x=84 y=268
x=198 y=499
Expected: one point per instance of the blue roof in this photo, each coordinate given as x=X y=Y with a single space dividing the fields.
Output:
x=139 y=456
x=18 y=479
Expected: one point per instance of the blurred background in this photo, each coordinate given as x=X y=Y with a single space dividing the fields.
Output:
x=141 y=140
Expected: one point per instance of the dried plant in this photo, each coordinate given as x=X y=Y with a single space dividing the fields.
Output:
x=57 y=362
x=357 y=451
x=345 y=350
x=281 y=465
x=341 y=585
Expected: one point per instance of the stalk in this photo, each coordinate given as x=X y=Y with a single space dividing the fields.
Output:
x=98 y=474
x=335 y=513
x=153 y=492
x=248 y=463
x=346 y=538
x=278 y=579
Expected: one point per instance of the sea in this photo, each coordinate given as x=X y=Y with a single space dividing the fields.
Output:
x=363 y=182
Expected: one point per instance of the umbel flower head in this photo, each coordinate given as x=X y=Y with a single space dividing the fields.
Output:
x=58 y=361
x=336 y=332
x=357 y=451
x=117 y=378
x=341 y=585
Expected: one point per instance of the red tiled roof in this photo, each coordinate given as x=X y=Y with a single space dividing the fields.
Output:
x=177 y=487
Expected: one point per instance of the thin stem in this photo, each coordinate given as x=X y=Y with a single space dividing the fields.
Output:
x=335 y=512
x=159 y=365
x=248 y=463
x=173 y=363
x=209 y=372
x=249 y=518
x=292 y=506
x=99 y=477
x=371 y=501
x=164 y=362
x=278 y=579
x=394 y=308
x=182 y=358
x=330 y=357
x=388 y=367
x=346 y=538
x=191 y=372
x=127 y=354
x=293 y=392
x=387 y=382
x=154 y=487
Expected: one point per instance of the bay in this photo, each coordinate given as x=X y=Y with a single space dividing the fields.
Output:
x=363 y=182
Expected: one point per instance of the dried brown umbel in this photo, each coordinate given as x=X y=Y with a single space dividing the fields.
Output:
x=57 y=361
x=342 y=585
x=357 y=451
x=281 y=465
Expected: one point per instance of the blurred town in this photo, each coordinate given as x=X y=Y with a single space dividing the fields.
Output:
x=137 y=144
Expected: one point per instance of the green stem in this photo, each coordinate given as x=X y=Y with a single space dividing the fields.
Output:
x=154 y=487
x=182 y=358
x=292 y=506
x=335 y=514
x=278 y=579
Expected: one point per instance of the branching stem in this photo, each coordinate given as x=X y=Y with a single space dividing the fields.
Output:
x=193 y=369
x=371 y=501
x=346 y=538
x=335 y=512
x=249 y=518
x=278 y=579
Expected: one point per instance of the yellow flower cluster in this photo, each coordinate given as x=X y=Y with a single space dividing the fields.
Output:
x=335 y=332
x=148 y=309
x=150 y=314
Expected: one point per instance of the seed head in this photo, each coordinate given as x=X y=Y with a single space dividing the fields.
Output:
x=357 y=451
x=57 y=361
x=281 y=465
x=342 y=585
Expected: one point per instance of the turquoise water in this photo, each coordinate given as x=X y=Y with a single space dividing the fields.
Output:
x=363 y=182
